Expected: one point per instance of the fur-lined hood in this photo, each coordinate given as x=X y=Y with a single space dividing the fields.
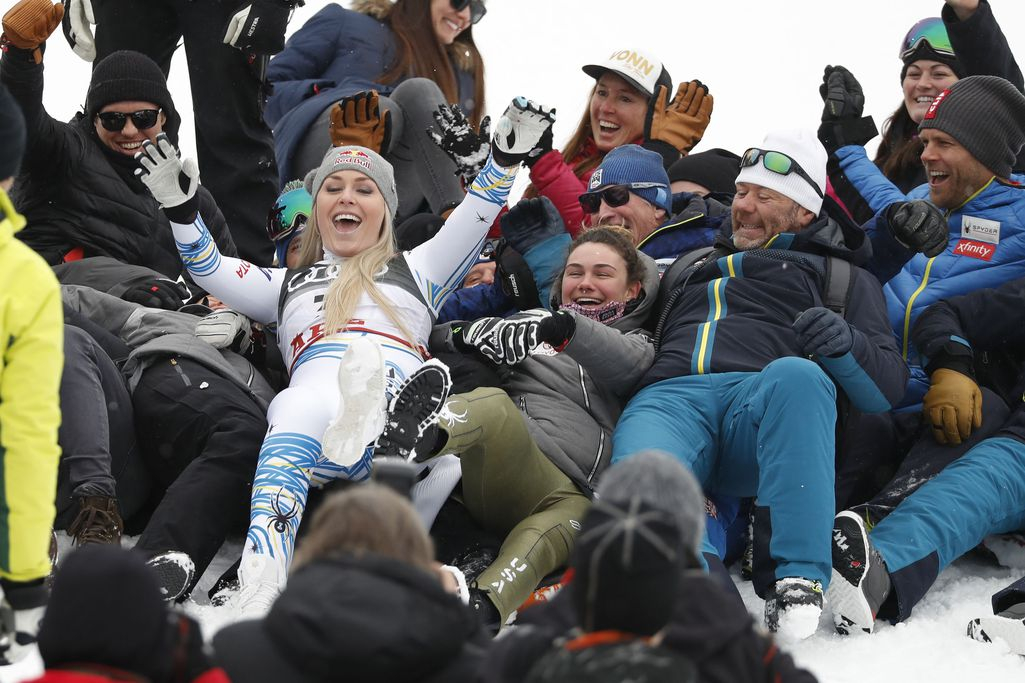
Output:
x=380 y=9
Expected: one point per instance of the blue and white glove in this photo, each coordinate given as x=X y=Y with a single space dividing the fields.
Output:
x=824 y=333
x=171 y=182
x=77 y=25
x=521 y=133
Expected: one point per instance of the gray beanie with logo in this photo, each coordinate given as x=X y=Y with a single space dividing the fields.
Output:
x=366 y=161
x=661 y=481
x=986 y=115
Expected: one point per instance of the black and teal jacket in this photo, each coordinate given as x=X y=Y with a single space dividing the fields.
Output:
x=736 y=314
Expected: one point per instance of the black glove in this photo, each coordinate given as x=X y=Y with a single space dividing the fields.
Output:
x=481 y=335
x=21 y=610
x=919 y=226
x=259 y=26
x=467 y=148
x=157 y=293
x=843 y=122
x=520 y=133
x=824 y=333
x=530 y=222
x=516 y=277
x=557 y=329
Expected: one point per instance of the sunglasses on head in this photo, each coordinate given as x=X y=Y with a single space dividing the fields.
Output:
x=477 y=8
x=777 y=162
x=613 y=195
x=930 y=31
x=115 y=121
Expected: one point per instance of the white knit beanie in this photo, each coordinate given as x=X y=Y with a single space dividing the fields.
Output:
x=802 y=146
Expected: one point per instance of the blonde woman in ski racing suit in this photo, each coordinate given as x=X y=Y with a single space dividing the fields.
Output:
x=350 y=286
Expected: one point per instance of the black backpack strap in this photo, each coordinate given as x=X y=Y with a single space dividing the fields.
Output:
x=839 y=279
x=674 y=273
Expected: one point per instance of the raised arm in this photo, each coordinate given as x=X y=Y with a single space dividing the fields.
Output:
x=246 y=288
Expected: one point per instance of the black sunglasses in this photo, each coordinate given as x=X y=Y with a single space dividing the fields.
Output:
x=115 y=121
x=614 y=195
x=777 y=162
x=477 y=8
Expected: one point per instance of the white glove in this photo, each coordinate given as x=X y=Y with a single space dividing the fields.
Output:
x=78 y=25
x=226 y=329
x=519 y=133
x=171 y=182
x=20 y=627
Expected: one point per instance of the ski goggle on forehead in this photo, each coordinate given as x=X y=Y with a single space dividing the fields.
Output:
x=777 y=162
x=477 y=8
x=289 y=214
x=930 y=31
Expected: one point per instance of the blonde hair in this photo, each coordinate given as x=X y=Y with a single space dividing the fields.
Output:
x=367 y=518
x=355 y=277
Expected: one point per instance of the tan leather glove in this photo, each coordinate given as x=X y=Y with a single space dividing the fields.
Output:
x=357 y=120
x=682 y=123
x=30 y=22
x=953 y=406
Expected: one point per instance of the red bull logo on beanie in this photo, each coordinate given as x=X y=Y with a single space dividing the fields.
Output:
x=353 y=156
x=931 y=113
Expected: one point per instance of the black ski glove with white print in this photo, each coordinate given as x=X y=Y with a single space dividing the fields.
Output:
x=467 y=148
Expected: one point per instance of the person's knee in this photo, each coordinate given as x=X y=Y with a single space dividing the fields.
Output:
x=798 y=374
x=77 y=345
x=417 y=90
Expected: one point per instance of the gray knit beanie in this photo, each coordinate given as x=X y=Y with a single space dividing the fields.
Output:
x=986 y=115
x=661 y=481
x=366 y=161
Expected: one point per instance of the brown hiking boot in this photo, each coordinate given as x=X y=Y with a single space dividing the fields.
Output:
x=98 y=521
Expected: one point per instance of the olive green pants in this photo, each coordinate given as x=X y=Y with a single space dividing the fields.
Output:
x=511 y=488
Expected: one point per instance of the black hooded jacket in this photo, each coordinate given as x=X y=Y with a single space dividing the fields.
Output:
x=77 y=193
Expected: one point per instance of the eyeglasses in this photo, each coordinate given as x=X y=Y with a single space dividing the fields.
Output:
x=115 y=121
x=777 y=162
x=477 y=8
x=289 y=214
x=930 y=31
x=613 y=195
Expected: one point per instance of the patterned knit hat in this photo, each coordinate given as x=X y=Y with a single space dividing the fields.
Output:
x=366 y=161
x=986 y=115
x=633 y=165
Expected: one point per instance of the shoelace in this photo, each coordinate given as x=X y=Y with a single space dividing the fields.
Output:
x=93 y=525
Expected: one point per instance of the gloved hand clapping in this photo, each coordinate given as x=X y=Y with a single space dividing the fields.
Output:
x=824 y=333
x=919 y=226
x=468 y=149
x=515 y=277
x=29 y=23
x=953 y=406
x=843 y=122
x=680 y=124
x=358 y=120
x=78 y=28
x=259 y=27
x=506 y=341
x=226 y=329
x=171 y=182
x=524 y=132
x=157 y=293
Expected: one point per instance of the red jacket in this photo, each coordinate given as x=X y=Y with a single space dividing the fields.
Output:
x=95 y=673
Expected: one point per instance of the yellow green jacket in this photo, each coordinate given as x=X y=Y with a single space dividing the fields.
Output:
x=32 y=341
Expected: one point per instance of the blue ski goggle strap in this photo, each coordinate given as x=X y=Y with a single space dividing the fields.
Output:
x=289 y=213
x=477 y=8
x=930 y=31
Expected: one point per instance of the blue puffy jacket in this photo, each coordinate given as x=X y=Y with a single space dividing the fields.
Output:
x=994 y=216
x=338 y=52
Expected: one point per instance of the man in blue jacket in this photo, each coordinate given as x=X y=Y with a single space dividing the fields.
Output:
x=748 y=359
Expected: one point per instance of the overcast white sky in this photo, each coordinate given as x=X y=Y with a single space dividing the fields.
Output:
x=762 y=61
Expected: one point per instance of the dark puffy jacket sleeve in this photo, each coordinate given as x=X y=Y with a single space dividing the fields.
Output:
x=984 y=320
x=52 y=146
x=981 y=45
x=872 y=373
x=553 y=178
x=295 y=71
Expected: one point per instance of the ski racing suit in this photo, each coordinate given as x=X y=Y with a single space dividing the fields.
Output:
x=416 y=282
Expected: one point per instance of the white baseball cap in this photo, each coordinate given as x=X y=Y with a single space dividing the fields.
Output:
x=640 y=69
